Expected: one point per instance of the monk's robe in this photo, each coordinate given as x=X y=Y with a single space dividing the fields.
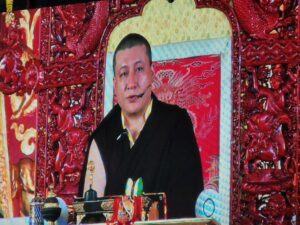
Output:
x=165 y=155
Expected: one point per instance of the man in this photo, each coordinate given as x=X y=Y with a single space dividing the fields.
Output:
x=144 y=138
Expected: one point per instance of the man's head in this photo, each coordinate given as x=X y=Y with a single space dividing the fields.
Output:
x=130 y=41
x=133 y=74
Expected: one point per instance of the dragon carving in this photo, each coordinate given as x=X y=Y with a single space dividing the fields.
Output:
x=80 y=37
x=266 y=16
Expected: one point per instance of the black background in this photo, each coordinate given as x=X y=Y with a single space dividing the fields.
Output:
x=30 y=4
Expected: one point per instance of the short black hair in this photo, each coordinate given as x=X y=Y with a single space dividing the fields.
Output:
x=132 y=40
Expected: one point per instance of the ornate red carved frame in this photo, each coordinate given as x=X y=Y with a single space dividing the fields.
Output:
x=69 y=75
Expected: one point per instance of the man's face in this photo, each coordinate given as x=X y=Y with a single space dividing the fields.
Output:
x=133 y=80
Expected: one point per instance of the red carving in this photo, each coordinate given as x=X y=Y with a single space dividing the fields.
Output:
x=275 y=209
x=69 y=121
x=65 y=113
x=274 y=97
x=267 y=157
x=70 y=73
x=67 y=132
x=265 y=98
x=77 y=29
x=260 y=103
x=264 y=138
x=265 y=16
x=117 y=4
x=262 y=20
x=70 y=157
x=15 y=74
x=271 y=52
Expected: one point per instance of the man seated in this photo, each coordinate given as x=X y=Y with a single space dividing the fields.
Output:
x=142 y=137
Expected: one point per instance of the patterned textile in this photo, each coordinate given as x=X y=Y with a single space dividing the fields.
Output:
x=164 y=23
x=194 y=84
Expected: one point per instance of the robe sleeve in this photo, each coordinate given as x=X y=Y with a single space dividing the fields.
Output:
x=83 y=172
x=186 y=180
x=96 y=138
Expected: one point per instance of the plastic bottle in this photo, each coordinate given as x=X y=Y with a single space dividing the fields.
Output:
x=36 y=217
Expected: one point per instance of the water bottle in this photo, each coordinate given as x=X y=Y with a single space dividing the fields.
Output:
x=36 y=217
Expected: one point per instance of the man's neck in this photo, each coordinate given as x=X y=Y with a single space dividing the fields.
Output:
x=135 y=122
x=135 y=125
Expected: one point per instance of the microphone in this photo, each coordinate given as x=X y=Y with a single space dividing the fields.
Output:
x=142 y=94
x=121 y=135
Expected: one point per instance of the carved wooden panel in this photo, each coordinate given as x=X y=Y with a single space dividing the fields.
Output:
x=269 y=113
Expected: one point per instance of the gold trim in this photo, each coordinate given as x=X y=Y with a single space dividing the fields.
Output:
x=10 y=16
x=173 y=23
x=51 y=205
x=108 y=204
x=5 y=187
x=9 y=6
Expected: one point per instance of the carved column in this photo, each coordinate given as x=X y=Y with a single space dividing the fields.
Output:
x=269 y=112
